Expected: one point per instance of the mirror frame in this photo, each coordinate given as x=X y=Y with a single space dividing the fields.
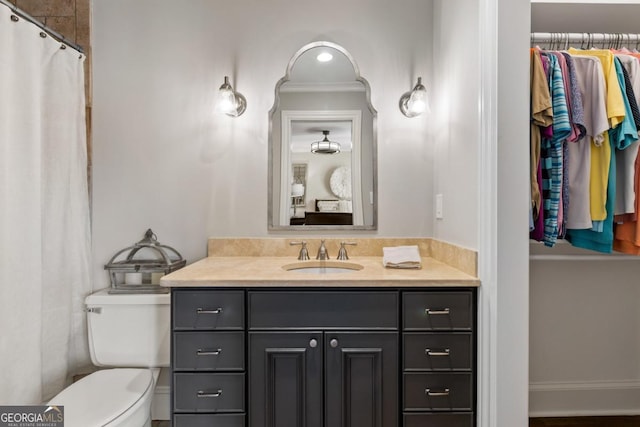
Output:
x=276 y=103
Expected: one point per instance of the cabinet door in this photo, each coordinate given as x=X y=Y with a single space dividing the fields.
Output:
x=285 y=379
x=361 y=379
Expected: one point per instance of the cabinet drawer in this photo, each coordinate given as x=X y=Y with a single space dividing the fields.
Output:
x=437 y=351
x=208 y=351
x=315 y=310
x=438 y=310
x=207 y=309
x=207 y=420
x=208 y=392
x=438 y=420
x=451 y=391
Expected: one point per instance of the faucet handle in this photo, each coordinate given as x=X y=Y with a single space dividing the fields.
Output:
x=342 y=253
x=304 y=252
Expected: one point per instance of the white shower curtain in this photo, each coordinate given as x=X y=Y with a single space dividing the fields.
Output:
x=44 y=213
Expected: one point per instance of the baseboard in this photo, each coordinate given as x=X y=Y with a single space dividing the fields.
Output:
x=160 y=405
x=585 y=398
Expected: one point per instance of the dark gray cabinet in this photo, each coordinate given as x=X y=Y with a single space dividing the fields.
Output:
x=439 y=351
x=286 y=380
x=361 y=377
x=208 y=358
x=366 y=357
x=328 y=378
x=320 y=359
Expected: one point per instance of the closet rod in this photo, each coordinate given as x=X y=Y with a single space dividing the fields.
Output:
x=583 y=258
x=24 y=15
x=586 y=39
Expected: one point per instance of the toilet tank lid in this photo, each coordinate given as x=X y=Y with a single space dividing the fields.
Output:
x=103 y=297
x=101 y=397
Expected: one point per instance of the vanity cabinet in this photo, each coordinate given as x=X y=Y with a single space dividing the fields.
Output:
x=208 y=358
x=439 y=348
x=331 y=357
x=323 y=358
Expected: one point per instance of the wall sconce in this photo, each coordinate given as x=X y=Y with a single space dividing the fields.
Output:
x=230 y=102
x=414 y=103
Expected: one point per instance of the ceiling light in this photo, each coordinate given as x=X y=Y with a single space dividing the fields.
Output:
x=324 y=57
x=325 y=146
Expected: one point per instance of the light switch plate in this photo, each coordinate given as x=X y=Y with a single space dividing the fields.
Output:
x=439 y=214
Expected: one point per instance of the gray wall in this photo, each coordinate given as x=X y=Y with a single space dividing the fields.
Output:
x=162 y=159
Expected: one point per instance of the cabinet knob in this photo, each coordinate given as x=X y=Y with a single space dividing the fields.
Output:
x=333 y=343
x=313 y=343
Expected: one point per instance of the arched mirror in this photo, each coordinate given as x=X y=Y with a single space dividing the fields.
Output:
x=322 y=144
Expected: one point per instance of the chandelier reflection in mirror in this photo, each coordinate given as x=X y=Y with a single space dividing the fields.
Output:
x=325 y=146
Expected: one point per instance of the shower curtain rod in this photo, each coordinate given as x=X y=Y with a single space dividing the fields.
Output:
x=618 y=39
x=24 y=15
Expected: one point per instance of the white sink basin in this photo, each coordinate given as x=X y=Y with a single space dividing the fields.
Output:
x=323 y=267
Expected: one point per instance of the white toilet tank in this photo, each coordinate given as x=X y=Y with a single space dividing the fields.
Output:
x=130 y=330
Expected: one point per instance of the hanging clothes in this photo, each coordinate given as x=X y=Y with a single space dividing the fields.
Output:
x=588 y=158
x=591 y=83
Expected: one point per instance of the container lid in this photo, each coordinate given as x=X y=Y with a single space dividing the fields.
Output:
x=103 y=297
x=101 y=397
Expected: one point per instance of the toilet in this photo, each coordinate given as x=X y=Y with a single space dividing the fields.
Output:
x=129 y=337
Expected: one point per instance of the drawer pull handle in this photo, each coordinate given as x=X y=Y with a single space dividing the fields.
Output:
x=207 y=311
x=215 y=352
x=430 y=311
x=445 y=352
x=313 y=343
x=430 y=393
x=333 y=343
x=205 y=394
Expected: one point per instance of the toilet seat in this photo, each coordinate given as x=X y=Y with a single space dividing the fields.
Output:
x=110 y=397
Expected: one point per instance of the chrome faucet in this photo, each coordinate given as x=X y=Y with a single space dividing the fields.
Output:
x=304 y=253
x=322 y=251
x=342 y=253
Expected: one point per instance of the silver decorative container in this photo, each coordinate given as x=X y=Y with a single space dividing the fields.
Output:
x=138 y=268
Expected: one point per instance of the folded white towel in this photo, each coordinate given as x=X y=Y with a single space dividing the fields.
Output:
x=401 y=257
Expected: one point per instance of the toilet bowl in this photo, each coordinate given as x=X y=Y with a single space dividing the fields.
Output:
x=131 y=333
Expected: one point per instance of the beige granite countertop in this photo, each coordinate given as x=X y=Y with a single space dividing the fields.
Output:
x=259 y=262
x=268 y=271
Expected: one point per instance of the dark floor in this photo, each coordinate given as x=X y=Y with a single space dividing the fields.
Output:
x=586 y=422
x=550 y=422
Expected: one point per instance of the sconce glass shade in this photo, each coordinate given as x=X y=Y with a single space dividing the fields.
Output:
x=230 y=102
x=415 y=102
x=325 y=146
x=297 y=190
